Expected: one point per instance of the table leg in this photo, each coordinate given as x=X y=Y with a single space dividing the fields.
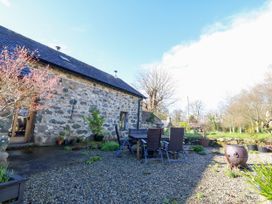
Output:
x=138 y=150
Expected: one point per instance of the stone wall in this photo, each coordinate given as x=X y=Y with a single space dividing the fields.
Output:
x=110 y=102
x=5 y=123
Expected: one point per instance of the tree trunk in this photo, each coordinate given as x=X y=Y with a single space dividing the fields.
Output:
x=14 y=122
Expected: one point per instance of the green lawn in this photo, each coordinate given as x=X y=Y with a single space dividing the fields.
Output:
x=245 y=136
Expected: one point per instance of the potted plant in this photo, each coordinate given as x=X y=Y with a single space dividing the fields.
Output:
x=11 y=186
x=204 y=141
x=60 y=138
x=95 y=122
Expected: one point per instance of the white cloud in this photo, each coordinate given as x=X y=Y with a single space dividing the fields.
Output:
x=227 y=58
x=5 y=3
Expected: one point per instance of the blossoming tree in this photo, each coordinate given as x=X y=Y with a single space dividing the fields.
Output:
x=23 y=83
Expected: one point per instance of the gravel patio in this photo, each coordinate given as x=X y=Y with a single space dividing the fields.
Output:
x=59 y=176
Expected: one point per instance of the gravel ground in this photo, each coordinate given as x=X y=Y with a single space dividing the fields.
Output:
x=216 y=186
x=126 y=180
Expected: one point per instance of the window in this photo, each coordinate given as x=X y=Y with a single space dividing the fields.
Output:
x=123 y=120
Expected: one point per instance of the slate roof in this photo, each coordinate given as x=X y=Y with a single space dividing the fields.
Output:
x=46 y=54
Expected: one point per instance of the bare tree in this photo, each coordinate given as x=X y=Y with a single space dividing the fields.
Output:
x=178 y=116
x=196 y=109
x=158 y=85
x=212 y=121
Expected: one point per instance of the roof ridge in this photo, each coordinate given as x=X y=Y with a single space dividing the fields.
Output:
x=52 y=56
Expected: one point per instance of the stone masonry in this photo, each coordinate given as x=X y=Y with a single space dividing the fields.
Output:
x=63 y=112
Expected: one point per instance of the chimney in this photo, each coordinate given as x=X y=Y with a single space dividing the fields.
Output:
x=115 y=73
x=58 y=48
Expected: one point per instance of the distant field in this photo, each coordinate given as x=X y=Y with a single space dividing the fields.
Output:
x=217 y=135
x=259 y=136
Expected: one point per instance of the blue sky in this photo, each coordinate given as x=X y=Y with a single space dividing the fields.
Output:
x=122 y=34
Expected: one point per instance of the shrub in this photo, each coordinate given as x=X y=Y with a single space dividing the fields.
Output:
x=4 y=177
x=93 y=159
x=261 y=179
x=110 y=146
x=95 y=122
x=197 y=148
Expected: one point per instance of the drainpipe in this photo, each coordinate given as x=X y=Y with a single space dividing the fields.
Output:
x=138 y=113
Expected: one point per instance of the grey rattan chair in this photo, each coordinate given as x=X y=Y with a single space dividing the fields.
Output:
x=123 y=142
x=152 y=144
x=174 y=147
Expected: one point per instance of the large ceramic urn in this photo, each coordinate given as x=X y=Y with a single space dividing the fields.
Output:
x=236 y=155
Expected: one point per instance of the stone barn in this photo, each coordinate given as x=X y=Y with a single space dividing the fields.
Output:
x=83 y=87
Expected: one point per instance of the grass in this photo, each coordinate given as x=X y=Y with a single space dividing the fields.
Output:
x=170 y=201
x=199 y=149
x=93 y=159
x=253 y=152
x=261 y=179
x=244 y=136
x=192 y=135
x=4 y=177
x=215 y=168
x=232 y=173
x=200 y=195
x=110 y=146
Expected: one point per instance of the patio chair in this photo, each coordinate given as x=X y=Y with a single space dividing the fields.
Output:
x=137 y=131
x=152 y=144
x=175 y=145
x=123 y=142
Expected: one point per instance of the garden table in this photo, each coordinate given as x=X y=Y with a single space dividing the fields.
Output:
x=138 y=137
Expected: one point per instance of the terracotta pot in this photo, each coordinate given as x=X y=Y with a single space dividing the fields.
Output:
x=236 y=155
x=204 y=142
x=59 y=142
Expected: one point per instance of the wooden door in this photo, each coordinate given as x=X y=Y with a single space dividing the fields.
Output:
x=22 y=126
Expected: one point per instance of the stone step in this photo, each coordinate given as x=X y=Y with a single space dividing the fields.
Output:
x=22 y=145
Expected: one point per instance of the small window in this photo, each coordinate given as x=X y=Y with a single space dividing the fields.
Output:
x=123 y=120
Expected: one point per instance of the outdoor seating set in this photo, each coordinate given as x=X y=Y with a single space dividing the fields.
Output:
x=151 y=144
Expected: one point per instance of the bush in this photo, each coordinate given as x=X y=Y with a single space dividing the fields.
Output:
x=197 y=148
x=110 y=146
x=4 y=177
x=95 y=122
x=261 y=179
